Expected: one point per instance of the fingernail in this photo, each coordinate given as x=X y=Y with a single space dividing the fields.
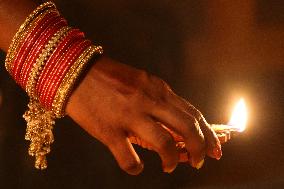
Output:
x=135 y=170
x=168 y=169
x=217 y=152
x=142 y=165
x=199 y=164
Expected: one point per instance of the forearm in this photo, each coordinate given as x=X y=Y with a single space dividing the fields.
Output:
x=12 y=15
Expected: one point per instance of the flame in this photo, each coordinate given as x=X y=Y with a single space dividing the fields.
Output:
x=239 y=116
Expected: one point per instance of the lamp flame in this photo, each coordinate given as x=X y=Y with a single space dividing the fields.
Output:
x=239 y=116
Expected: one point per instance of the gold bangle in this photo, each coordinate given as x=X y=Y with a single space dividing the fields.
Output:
x=24 y=34
x=41 y=60
x=60 y=94
x=66 y=86
x=20 y=34
x=39 y=121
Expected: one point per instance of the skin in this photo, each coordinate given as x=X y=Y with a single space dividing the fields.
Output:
x=114 y=102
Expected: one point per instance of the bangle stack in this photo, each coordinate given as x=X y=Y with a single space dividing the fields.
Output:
x=45 y=58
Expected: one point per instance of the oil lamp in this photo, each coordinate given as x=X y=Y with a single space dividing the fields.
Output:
x=236 y=124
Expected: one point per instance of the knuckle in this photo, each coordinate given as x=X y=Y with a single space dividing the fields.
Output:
x=157 y=80
x=161 y=100
x=195 y=112
x=190 y=122
x=144 y=76
x=191 y=126
x=155 y=99
x=161 y=83
x=159 y=89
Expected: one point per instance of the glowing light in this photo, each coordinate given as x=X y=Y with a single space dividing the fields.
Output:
x=239 y=116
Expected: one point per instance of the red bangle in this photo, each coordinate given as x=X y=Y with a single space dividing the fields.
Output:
x=46 y=57
x=37 y=49
x=63 y=70
x=47 y=80
x=33 y=30
x=27 y=48
x=56 y=69
x=74 y=33
x=58 y=53
x=30 y=40
x=39 y=46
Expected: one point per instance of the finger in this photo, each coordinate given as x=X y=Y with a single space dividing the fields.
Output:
x=213 y=146
x=186 y=126
x=180 y=145
x=126 y=156
x=184 y=105
x=159 y=140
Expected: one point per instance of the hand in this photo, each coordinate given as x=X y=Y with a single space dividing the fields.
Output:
x=115 y=101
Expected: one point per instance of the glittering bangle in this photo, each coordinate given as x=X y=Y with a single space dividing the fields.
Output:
x=20 y=33
x=46 y=58
x=55 y=71
x=29 y=41
x=61 y=72
x=59 y=52
x=40 y=61
x=66 y=86
x=38 y=47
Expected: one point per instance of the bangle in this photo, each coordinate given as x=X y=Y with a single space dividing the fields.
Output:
x=58 y=53
x=61 y=72
x=56 y=71
x=38 y=47
x=19 y=35
x=67 y=84
x=48 y=80
x=46 y=58
x=29 y=41
x=40 y=61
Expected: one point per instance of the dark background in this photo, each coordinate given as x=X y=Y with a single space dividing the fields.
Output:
x=212 y=52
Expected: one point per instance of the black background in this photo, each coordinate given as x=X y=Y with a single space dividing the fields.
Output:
x=210 y=52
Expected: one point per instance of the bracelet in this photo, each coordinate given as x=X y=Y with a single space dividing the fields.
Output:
x=48 y=80
x=40 y=61
x=38 y=47
x=19 y=35
x=58 y=52
x=66 y=86
x=29 y=41
x=57 y=69
x=61 y=72
x=46 y=57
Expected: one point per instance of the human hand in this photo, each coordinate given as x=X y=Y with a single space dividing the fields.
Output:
x=115 y=102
